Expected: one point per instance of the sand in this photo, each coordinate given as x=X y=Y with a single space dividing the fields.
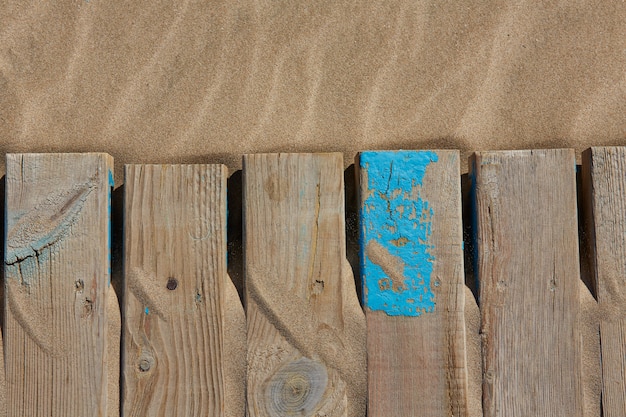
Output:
x=196 y=81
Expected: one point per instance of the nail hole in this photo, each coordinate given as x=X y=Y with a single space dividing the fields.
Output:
x=172 y=284
x=80 y=285
x=318 y=287
x=87 y=308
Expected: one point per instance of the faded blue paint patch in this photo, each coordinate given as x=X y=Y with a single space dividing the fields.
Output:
x=31 y=234
x=147 y=311
x=396 y=259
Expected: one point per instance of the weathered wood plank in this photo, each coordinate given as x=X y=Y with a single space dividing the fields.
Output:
x=57 y=274
x=175 y=288
x=604 y=182
x=413 y=286
x=306 y=330
x=528 y=269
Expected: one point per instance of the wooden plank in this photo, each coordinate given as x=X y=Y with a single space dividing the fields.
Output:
x=175 y=287
x=306 y=330
x=413 y=283
x=604 y=182
x=528 y=271
x=57 y=274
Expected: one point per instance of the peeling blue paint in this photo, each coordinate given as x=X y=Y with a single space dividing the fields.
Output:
x=147 y=311
x=396 y=258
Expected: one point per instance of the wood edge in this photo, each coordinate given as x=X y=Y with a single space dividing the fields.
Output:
x=438 y=150
x=462 y=397
x=113 y=352
x=235 y=347
x=110 y=161
x=230 y=304
x=517 y=152
x=359 y=184
x=108 y=158
x=590 y=313
x=113 y=313
x=589 y=214
x=291 y=154
x=224 y=167
x=59 y=153
x=473 y=162
x=253 y=158
x=3 y=385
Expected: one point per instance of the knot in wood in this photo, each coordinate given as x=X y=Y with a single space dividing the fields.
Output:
x=296 y=387
x=145 y=363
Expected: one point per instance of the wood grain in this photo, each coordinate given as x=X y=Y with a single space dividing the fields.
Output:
x=412 y=269
x=57 y=277
x=175 y=287
x=528 y=269
x=604 y=188
x=113 y=352
x=306 y=331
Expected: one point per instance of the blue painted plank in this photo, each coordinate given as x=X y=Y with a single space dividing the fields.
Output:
x=395 y=222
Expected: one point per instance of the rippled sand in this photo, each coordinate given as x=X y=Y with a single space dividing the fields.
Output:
x=206 y=81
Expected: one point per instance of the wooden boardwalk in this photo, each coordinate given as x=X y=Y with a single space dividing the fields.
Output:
x=167 y=333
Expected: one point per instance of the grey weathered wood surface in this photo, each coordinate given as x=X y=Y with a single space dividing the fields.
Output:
x=528 y=270
x=175 y=288
x=57 y=276
x=306 y=331
x=604 y=187
x=416 y=356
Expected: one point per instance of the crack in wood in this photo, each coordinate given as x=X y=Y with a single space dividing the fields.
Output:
x=47 y=223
